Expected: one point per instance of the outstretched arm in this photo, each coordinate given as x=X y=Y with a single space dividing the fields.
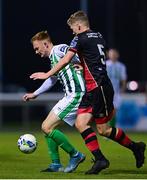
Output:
x=43 y=88
x=62 y=63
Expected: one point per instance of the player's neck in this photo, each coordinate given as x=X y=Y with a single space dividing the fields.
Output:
x=50 y=48
x=84 y=29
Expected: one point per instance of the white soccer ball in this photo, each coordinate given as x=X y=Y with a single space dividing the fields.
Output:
x=27 y=143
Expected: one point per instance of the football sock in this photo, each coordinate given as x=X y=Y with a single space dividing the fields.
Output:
x=52 y=149
x=63 y=142
x=91 y=142
x=112 y=122
x=120 y=137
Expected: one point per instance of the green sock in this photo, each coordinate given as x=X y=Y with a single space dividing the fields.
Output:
x=112 y=123
x=52 y=149
x=62 y=141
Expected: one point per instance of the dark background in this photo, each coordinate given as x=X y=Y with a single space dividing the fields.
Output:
x=123 y=24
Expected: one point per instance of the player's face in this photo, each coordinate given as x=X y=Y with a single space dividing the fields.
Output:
x=41 y=48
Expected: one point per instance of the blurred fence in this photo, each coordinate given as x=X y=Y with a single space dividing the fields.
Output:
x=15 y=110
x=132 y=114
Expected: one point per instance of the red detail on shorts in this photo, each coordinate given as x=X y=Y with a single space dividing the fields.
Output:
x=90 y=135
x=84 y=110
x=93 y=145
x=105 y=119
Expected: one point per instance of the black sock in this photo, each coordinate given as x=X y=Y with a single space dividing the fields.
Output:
x=98 y=154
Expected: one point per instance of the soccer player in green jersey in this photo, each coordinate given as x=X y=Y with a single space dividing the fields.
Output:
x=66 y=109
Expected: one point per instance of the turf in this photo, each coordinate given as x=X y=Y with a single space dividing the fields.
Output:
x=16 y=165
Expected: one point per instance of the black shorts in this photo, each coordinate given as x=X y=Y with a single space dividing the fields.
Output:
x=98 y=102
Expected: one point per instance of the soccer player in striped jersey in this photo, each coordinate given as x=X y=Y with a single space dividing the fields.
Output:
x=97 y=103
x=66 y=109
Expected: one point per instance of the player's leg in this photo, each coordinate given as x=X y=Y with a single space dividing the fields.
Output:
x=47 y=127
x=68 y=111
x=87 y=133
x=91 y=142
x=116 y=102
x=89 y=136
x=65 y=109
x=55 y=138
x=76 y=157
x=119 y=136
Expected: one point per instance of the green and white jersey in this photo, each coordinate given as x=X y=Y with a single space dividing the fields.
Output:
x=71 y=79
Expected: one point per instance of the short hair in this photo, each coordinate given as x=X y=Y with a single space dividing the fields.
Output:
x=78 y=16
x=42 y=35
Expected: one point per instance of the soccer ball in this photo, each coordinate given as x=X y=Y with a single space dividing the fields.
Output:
x=27 y=143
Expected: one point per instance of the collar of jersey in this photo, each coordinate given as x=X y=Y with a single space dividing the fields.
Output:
x=51 y=51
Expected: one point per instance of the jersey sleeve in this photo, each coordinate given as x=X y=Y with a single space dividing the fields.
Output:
x=61 y=50
x=74 y=45
x=48 y=83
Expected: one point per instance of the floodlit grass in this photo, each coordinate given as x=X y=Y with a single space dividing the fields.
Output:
x=16 y=165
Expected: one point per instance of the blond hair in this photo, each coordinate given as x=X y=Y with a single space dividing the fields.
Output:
x=42 y=35
x=78 y=16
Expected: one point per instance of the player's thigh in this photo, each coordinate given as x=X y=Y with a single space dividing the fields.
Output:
x=51 y=121
x=66 y=108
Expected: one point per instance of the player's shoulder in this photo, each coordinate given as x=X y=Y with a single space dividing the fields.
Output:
x=108 y=62
x=60 y=49
x=91 y=33
x=74 y=41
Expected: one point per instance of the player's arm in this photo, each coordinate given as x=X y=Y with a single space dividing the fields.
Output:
x=61 y=64
x=48 y=83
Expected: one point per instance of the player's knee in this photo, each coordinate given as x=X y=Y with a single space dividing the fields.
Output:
x=45 y=128
x=100 y=131
x=103 y=131
x=79 y=125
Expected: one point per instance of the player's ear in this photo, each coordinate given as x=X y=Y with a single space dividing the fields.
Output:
x=45 y=44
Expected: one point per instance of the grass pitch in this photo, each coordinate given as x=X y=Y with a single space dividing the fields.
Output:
x=16 y=165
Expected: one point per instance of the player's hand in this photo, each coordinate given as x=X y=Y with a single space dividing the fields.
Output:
x=29 y=96
x=39 y=75
x=78 y=67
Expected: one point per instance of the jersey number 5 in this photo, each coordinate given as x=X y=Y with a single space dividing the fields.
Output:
x=102 y=54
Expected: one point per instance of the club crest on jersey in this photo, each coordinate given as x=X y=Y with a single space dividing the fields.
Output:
x=74 y=42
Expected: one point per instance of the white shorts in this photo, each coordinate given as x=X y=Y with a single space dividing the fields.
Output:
x=66 y=108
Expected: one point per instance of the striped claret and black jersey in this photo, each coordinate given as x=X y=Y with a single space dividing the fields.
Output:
x=71 y=79
x=90 y=47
